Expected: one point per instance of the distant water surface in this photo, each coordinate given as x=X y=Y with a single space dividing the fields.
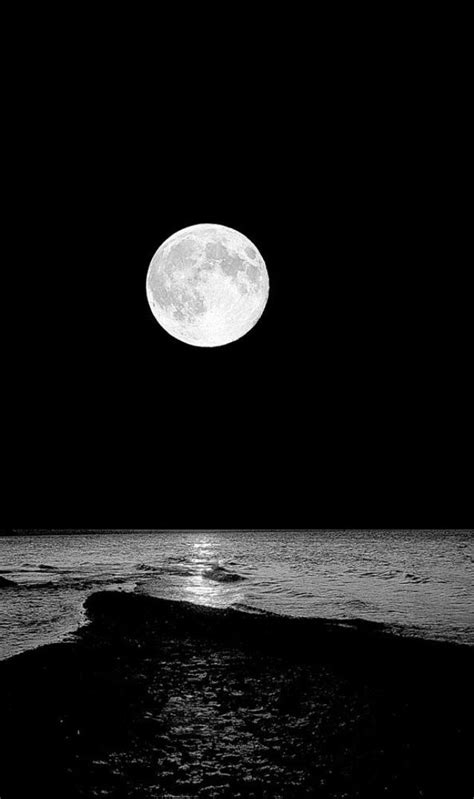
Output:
x=416 y=582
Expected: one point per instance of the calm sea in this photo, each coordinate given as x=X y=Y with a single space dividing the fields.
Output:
x=416 y=582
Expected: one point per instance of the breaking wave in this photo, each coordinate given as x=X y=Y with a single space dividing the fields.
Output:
x=220 y=575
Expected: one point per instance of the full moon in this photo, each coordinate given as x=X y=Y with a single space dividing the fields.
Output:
x=207 y=285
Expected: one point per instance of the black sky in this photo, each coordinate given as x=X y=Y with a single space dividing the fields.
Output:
x=338 y=407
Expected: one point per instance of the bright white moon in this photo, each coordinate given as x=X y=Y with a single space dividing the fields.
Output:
x=207 y=285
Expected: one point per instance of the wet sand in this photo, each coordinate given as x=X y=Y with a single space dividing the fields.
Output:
x=155 y=698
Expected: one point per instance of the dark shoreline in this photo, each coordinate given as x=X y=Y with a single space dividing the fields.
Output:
x=157 y=698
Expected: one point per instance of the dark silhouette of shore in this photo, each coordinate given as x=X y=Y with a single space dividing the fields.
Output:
x=155 y=698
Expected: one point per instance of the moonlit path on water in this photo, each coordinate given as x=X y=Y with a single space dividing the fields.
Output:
x=416 y=582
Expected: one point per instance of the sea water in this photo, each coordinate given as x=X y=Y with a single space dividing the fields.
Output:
x=417 y=582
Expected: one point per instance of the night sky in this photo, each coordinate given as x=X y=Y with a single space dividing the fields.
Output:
x=346 y=403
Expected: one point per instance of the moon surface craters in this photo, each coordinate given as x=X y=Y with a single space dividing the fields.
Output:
x=207 y=285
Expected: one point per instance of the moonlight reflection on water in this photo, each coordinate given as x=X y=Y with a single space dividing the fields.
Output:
x=419 y=584
x=211 y=583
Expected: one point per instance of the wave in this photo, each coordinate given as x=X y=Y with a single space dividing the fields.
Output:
x=243 y=606
x=31 y=568
x=220 y=575
x=78 y=584
x=416 y=578
x=178 y=571
x=146 y=567
x=180 y=567
x=173 y=567
x=389 y=574
x=355 y=603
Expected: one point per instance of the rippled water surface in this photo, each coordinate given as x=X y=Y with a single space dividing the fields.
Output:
x=417 y=582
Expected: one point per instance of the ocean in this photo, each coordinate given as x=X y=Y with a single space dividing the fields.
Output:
x=416 y=582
